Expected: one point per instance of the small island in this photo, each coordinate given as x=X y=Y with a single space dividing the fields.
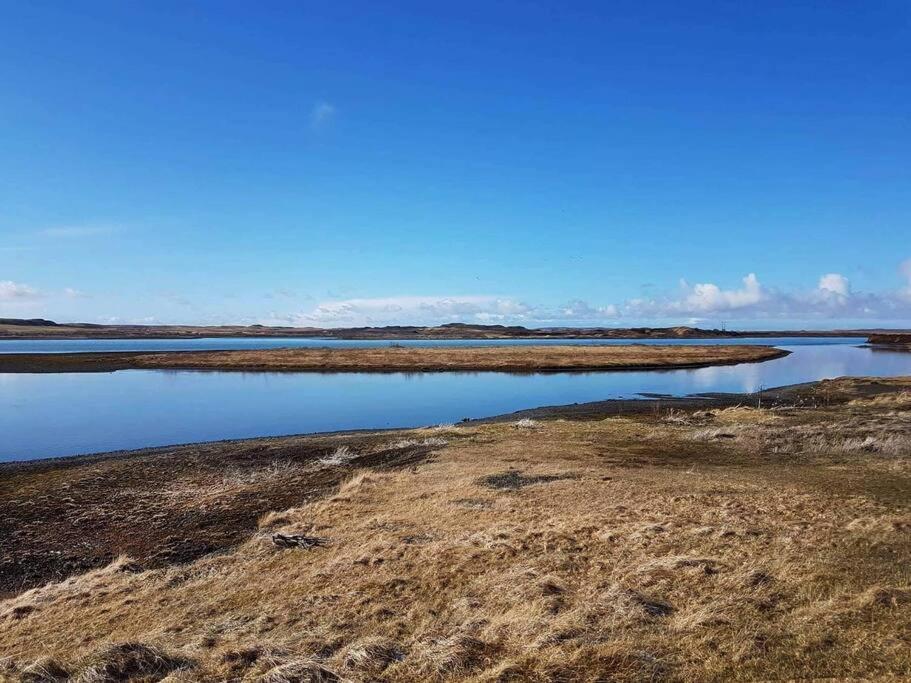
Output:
x=896 y=341
x=395 y=358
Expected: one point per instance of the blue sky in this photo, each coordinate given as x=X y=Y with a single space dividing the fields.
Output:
x=336 y=163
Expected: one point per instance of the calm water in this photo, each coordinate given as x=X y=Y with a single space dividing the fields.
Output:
x=45 y=415
x=216 y=344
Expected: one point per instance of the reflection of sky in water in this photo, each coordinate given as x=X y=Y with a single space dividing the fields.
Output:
x=86 y=345
x=742 y=379
x=805 y=364
x=50 y=414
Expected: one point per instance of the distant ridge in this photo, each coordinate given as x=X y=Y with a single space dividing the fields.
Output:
x=30 y=322
x=39 y=328
x=890 y=339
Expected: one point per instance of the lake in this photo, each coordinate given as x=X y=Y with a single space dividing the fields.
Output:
x=46 y=415
x=247 y=343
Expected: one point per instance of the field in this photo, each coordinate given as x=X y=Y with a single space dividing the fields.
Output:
x=666 y=542
x=402 y=359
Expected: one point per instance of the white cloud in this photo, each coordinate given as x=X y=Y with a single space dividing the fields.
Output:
x=581 y=310
x=17 y=292
x=833 y=283
x=832 y=298
x=699 y=300
x=905 y=270
x=71 y=293
x=702 y=304
x=409 y=310
x=322 y=113
x=828 y=299
x=710 y=298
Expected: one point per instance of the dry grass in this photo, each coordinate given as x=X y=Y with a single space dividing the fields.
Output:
x=431 y=441
x=526 y=423
x=404 y=359
x=521 y=358
x=855 y=431
x=628 y=550
x=339 y=456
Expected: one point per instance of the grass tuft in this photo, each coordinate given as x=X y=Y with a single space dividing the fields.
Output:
x=300 y=671
x=339 y=456
x=128 y=662
x=45 y=670
x=372 y=654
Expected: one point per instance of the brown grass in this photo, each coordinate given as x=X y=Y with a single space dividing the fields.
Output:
x=404 y=359
x=501 y=358
x=898 y=339
x=629 y=549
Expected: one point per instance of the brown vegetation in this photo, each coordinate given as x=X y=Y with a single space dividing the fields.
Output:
x=683 y=545
x=167 y=505
x=407 y=359
x=900 y=341
x=37 y=328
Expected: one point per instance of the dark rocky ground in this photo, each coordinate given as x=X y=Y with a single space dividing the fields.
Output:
x=161 y=506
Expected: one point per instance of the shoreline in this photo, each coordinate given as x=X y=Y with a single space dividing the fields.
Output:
x=659 y=508
x=771 y=334
x=605 y=408
x=896 y=341
x=511 y=359
x=830 y=391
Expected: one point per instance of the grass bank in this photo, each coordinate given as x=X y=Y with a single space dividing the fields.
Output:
x=674 y=543
x=404 y=359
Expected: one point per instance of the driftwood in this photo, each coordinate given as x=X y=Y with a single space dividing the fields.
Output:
x=298 y=541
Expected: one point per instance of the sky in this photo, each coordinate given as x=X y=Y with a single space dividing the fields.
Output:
x=347 y=163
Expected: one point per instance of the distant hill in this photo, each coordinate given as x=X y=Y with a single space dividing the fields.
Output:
x=891 y=339
x=31 y=322
x=39 y=328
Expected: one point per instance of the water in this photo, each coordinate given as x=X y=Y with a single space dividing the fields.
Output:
x=237 y=343
x=44 y=415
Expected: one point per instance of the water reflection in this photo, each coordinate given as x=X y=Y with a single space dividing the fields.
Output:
x=49 y=415
x=213 y=344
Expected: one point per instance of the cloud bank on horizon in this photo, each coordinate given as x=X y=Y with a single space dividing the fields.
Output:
x=830 y=301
